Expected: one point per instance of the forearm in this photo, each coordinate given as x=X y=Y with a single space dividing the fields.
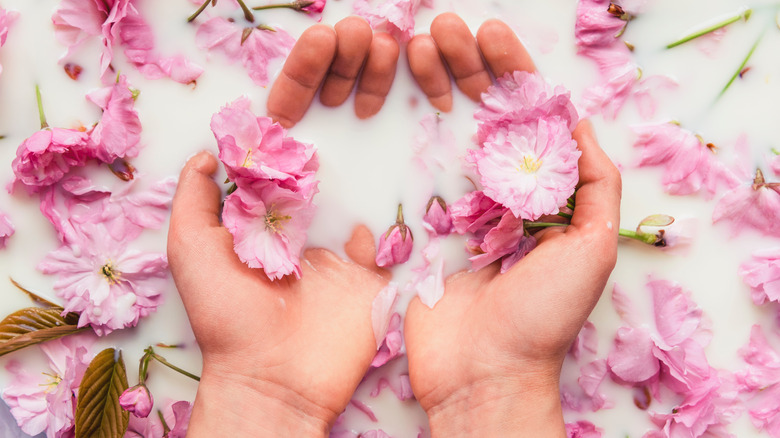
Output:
x=235 y=410
x=493 y=410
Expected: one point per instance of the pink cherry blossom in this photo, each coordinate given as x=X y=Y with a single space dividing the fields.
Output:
x=176 y=416
x=6 y=229
x=395 y=246
x=77 y=20
x=688 y=164
x=314 y=9
x=582 y=429
x=382 y=311
x=751 y=205
x=595 y=26
x=531 y=168
x=401 y=387
x=392 y=343
x=47 y=401
x=759 y=381
x=110 y=286
x=137 y=400
x=437 y=221
x=269 y=225
x=255 y=48
x=118 y=133
x=519 y=98
x=125 y=213
x=136 y=37
x=428 y=281
x=6 y=19
x=762 y=274
x=476 y=213
x=379 y=433
x=506 y=238
x=586 y=395
x=395 y=16
x=46 y=156
x=256 y=148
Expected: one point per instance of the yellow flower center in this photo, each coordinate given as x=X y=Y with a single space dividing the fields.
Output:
x=51 y=385
x=248 y=159
x=275 y=221
x=530 y=164
x=111 y=273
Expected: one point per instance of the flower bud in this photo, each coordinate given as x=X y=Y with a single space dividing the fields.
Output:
x=395 y=245
x=437 y=220
x=137 y=400
x=311 y=6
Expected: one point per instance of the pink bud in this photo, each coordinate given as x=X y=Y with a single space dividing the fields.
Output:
x=316 y=6
x=437 y=220
x=395 y=245
x=137 y=400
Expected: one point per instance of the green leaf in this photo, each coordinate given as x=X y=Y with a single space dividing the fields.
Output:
x=98 y=413
x=34 y=325
x=657 y=220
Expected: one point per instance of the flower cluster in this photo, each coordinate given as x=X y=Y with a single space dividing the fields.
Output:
x=397 y=16
x=526 y=163
x=597 y=30
x=271 y=209
x=118 y=22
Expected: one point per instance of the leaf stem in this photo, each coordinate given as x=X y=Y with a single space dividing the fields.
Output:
x=564 y=215
x=544 y=224
x=742 y=66
x=247 y=12
x=638 y=235
x=162 y=360
x=200 y=9
x=745 y=14
x=279 y=6
x=41 y=115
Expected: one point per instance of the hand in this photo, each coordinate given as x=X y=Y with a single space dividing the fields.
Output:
x=279 y=358
x=334 y=58
x=486 y=360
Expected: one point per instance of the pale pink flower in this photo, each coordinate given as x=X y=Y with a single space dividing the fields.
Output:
x=176 y=415
x=531 y=168
x=506 y=238
x=382 y=311
x=110 y=286
x=47 y=401
x=118 y=133
x=476 y=213
x=138 y=41
x=437 y=221
x=255 y=48
x=595 y=25
x=582 y=429
x=395 y=16
x=257 y=148
x=760 y=381
x=124 y=213
x=46 y=156
x=6 y=19
x=392 y=343
x=519 y=98
x=137 y=400
x=688 y=163
x=269 y=225
x=179 y=419
x=755 y=205
x=586 y=396
x=6 y=229
x=429 y=279
x=762 y=274
x=395 y=246
x=77 y=20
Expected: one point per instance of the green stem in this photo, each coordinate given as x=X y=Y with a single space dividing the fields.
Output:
x=565 y=215
x=570 y=205
x=41 y=115
x=200 y=9
x=247 y=12
x=746 y=15
x=742 y=66
x=143 y=367
x=162 y=360
x=280 y=6
x=543 y=224
x=166 y=428
x=638 y=235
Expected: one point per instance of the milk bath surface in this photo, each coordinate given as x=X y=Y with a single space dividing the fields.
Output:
x=368 y=167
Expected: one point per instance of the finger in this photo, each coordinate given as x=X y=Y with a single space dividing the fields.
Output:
x=378 y=75
x=354 y=39
x=429 y=71
x=302 y=74
x=460 y=51
x=361 y=249
x=502 y=50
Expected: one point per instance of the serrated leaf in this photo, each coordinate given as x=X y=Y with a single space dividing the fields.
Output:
x=657 y=220
x=98 y=413
x=34 y=325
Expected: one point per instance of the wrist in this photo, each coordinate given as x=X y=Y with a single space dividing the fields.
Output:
x=506 y=407
x=233 y=406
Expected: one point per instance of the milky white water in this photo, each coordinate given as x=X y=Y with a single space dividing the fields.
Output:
x=366 y=166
